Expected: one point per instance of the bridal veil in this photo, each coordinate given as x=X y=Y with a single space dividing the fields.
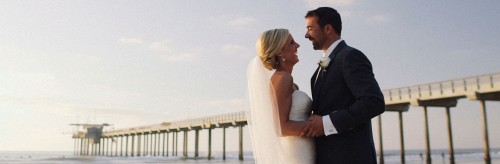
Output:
x=262 y=115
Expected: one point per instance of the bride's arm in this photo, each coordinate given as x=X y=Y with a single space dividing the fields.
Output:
x=283 y=88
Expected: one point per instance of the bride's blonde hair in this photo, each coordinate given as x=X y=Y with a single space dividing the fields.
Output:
x=269 y=46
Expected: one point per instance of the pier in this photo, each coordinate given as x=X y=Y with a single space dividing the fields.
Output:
x=162 y=139
x=444 y=94
x=157 y=140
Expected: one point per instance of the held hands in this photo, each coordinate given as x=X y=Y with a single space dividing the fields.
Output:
x=314 y=127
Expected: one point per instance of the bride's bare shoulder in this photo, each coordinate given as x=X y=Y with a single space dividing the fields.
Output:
x=281 y=79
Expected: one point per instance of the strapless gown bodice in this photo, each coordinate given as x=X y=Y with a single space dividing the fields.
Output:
x=301 y=106
x=299 y=150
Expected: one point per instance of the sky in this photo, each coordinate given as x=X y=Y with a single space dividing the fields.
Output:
x=132 y=63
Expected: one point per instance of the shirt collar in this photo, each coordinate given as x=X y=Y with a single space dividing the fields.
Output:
x=330 y=49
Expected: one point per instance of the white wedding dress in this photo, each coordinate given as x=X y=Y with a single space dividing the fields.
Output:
x=299 y=150
x=268 y=145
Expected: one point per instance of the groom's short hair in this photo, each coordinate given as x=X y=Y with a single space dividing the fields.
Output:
x=327 y=15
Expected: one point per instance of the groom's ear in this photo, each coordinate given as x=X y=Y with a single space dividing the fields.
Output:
x=329 y=28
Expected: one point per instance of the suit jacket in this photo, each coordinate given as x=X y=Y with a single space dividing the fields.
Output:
x=350 y=95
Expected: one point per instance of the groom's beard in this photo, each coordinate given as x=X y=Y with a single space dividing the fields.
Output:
x=316 y=45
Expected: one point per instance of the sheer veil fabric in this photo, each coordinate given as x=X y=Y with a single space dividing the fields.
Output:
x=262 y=115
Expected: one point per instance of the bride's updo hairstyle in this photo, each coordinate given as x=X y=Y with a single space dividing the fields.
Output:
x=269 y=46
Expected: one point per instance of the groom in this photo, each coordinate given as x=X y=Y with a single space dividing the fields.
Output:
x=345 y=95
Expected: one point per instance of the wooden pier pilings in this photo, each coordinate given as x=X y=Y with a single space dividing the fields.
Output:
x=443 y=94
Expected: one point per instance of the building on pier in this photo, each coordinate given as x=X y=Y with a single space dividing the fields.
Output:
x=89 y=135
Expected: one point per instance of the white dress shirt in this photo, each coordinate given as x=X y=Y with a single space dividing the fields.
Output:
x=328 y=126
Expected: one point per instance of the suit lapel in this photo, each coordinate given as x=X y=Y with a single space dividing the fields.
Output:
x=313 y=80
x=316 y=87
x=313 y=90
x=337 y=49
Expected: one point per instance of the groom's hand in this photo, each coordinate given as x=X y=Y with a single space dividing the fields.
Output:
x=315 y=127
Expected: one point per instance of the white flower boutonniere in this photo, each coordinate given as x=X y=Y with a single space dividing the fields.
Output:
x=323 y=62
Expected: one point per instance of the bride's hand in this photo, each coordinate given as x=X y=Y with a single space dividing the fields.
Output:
x=314 y=127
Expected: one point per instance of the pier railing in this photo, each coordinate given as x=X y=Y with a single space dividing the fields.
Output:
x=229 y=119
x=443 y=89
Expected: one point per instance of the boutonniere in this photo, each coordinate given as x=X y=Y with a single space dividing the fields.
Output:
x=323 y=62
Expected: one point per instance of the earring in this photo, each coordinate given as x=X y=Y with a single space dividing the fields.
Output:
x=282 y=58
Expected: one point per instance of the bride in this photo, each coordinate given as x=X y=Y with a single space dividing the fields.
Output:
x=278 y=109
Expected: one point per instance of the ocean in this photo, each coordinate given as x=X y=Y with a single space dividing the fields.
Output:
x=465 y=156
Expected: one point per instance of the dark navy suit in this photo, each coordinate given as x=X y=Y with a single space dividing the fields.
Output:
x=350 y=95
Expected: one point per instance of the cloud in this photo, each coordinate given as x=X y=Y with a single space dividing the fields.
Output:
x=88 y=58
x=45 y=108
x=233 y=49
x=180 y=57
x=25 y=83
x=161 y=46
x=242 y=22
x=232 y=22
x=49 y=105
x=165 y=49
x=167 y=52
x=43 y=105
x=379 y=18
x=131 y=40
